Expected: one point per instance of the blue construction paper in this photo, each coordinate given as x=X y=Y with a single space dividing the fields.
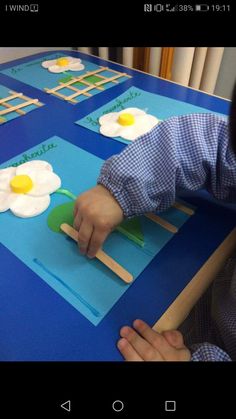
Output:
x=160 y=106
x=5 y=92
x=35 y=75
x=86 y=284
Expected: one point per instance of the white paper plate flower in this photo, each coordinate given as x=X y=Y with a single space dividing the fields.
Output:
x=129 y=123
x=26 y=189
x=63 y=64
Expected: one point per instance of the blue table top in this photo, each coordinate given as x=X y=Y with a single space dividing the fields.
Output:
x=36 y=323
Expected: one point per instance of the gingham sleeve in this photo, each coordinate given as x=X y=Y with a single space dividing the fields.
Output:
x=188 y=152
x=208 y=352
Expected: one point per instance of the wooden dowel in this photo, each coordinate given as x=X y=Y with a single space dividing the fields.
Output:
x=162 y=222
x=183 y=208
x=101 y=255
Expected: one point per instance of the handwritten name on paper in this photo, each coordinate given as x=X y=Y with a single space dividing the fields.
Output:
x=44 y=148
x=21 y=67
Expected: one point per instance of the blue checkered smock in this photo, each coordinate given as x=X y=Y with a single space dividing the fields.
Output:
x=187 y=152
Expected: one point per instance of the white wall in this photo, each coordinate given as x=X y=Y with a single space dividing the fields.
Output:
x=227 y=73
x=9 y=54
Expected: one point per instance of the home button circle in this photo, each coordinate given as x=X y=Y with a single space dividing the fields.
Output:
x=117 y=405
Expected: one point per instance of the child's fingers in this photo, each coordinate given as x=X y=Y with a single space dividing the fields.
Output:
x=154 y=338
x=96 y=241
x=174 y=338
x=77 y=221
x=84 y=235
x=128 y=351
x=143 y=348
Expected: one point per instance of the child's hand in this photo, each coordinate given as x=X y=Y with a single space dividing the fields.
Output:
x=148 y=345
x=96 y=214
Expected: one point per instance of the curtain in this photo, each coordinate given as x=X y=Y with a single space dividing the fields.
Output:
x=196 y=67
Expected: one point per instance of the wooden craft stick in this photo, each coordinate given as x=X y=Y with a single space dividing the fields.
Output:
x=61 y=96
x=109 y=79
x=183 y=208
x=71 y=87
x=8 y=106
x=21 y=105
x=163 y=223
x=74 y=80
x=81 y=91
x=14 y=96
x=25 y=97
x=89 y=73
x=101 y=255
x=86 y=83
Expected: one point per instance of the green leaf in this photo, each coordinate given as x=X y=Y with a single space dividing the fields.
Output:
x=61 y=214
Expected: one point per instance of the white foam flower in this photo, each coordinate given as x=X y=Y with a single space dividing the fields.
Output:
x=129 y=123
x=26 y=189
x=63 y=64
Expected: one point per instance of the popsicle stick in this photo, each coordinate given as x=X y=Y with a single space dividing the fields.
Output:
x=183 y=208
x=14 y=96
x=162 y=222
x=8 y=106
x=21 y=105
x=101 y=255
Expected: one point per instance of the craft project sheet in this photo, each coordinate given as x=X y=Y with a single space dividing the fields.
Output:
x=162 y=107
x=88 y=285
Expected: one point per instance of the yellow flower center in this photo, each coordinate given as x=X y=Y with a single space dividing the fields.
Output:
x=62 y=62
x=126 y=119
x=21 y=184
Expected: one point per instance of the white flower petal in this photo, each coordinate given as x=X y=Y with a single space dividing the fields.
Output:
x=132 y=111
x=108 y=118
x=49 y=63
x=129 y=133
x=25 y=168
x=6 y=200
x=71 y=59
x=112 y=130
x=25 y=206
x=143 y=125
x=74 y=60
x=76 y=67
x=74 y=64
x=45 y=182
x=5 y=177
x=57 y=68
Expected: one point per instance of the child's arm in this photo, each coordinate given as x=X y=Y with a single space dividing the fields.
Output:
x=189 y=152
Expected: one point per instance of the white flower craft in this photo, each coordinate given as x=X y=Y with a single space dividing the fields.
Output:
x=26 y=189
x=63 y=64
x=129 y=123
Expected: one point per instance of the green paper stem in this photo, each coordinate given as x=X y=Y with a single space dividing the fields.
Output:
x=66 y=193
x=130 y=236
x=133 y=230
